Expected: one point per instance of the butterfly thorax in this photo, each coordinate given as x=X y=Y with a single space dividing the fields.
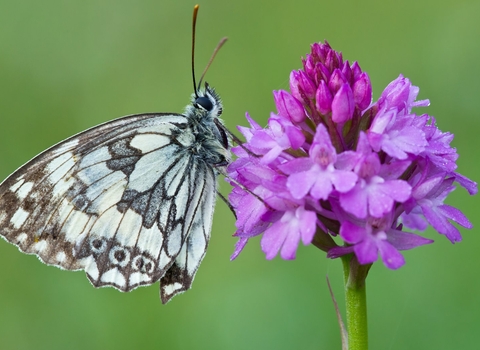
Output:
x=210 y=143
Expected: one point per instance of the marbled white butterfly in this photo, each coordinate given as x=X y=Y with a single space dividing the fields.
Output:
x=129 y=201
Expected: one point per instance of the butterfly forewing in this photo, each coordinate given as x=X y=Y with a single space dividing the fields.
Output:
x=126 y=201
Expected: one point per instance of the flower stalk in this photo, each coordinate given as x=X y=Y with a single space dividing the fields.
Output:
x=356 y=302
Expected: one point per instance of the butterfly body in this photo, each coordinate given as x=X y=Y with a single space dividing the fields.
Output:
x=129 y=201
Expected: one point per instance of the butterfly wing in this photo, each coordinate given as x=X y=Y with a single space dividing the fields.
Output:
x=126 y=201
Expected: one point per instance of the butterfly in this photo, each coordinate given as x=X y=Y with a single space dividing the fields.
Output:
x=129 y=201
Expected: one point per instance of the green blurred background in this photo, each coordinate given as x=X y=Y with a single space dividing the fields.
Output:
x=69 y=65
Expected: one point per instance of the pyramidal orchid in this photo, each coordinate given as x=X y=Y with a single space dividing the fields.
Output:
x=333 y=164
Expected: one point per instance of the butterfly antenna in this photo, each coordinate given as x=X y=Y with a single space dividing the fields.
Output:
x=219 y=46
x=194 y=22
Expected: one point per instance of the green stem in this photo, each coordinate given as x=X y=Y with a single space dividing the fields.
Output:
x=356 y=302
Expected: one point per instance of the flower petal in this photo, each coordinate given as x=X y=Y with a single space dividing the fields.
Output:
x=390 y=256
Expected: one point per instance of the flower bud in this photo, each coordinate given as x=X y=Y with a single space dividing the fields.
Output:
x=336 y=81
x=396 y=94
x=356 y=70
x=362 y=91
x=343 y=104
x=322 y=73
x=288 y=106
x=347 y=72
x=301 y=86
x=323 y=98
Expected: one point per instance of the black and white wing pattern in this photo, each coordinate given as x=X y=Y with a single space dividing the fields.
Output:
x=129 y=201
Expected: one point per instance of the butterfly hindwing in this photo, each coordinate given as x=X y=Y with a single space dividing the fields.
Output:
x=178 y=278
x=125 y=201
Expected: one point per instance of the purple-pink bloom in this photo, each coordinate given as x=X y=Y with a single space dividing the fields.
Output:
x=373 y=194
x=376 y=236
x=438 y=148
x=332 y=163
x=317 y=174
x=401 y=94
x=427 y=202
x=396 y=135
x=280 y=135
x=285 y=234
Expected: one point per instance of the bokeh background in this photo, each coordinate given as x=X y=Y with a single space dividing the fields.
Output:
x=68 y=65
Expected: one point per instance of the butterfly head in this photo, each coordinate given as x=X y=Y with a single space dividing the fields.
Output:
x=207 y=102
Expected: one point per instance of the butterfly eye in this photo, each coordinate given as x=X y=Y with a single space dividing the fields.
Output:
x=205 y=103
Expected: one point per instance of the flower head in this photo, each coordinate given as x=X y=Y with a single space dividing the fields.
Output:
x=332 y=163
